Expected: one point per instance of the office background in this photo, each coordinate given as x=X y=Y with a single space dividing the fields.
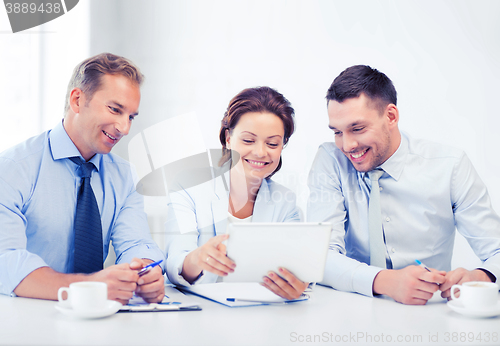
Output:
x=441 y=55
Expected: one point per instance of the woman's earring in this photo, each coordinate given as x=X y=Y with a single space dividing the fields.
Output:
x=228 y=146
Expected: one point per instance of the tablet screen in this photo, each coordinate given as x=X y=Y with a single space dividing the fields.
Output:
x=258 y=248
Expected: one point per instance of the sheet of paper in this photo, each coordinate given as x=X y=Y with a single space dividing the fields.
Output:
x=243 y=293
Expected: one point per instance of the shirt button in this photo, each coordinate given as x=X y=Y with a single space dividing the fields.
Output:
x=393 y=250
x=387 y=219
x=381 y=188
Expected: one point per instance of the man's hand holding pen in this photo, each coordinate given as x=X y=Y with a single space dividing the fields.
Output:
x=150 y=285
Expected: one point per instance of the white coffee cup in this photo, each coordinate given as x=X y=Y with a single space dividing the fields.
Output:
x=84 y=296
x=476 y=294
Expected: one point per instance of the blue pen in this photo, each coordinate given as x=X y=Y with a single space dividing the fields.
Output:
x=148 y=268
x=235 y=300
x=422 y=265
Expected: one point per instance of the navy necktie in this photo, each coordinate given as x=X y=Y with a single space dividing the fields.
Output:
x=88 y=256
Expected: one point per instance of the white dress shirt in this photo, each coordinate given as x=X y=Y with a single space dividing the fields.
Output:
x=427 y=190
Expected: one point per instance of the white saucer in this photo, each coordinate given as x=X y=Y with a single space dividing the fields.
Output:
x=487 y=312
x=109 y=309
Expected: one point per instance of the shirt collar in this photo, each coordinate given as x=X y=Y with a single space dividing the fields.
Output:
x=264 y=193
x=395 y=164
x=62 y=146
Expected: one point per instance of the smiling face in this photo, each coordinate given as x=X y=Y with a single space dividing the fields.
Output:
x=96 y=125
x=258 y=139
x=367 y=135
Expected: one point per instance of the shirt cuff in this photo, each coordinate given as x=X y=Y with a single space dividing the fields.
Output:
x=174 y=270
x=349 y=275
x=490 y=274
x=16 y=265
x=363 y=278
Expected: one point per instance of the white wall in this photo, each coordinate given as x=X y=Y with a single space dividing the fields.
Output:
x=441 y=55
x=35 y=67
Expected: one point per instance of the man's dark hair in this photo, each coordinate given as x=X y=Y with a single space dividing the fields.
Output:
x=358 y=79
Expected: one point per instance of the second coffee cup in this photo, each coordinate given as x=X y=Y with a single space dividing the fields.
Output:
x=476 y=294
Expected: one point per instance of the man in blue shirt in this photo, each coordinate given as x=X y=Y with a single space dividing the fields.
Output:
x=426 y=191
x=39 y=185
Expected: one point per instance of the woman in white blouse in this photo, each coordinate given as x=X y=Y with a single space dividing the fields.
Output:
x=255 y=128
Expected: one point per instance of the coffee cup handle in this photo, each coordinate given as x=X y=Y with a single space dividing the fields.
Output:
x=60 y=292
x=452 y=291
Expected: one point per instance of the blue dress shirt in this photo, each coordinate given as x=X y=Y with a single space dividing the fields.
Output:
x=38 y=191
x=427 y=190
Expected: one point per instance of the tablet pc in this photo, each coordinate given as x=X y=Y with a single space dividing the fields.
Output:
x=257 y=248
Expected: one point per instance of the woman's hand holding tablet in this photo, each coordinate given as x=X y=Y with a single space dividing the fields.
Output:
x=290 y=288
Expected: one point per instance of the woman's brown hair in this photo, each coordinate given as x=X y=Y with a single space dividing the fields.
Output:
x=256 y=100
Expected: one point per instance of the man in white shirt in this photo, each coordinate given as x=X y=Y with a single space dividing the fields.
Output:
x=426 y=190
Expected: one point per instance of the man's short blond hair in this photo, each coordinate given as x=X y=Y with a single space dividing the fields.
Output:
x=87 y=75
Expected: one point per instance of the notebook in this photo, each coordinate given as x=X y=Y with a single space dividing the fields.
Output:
x=257 y=248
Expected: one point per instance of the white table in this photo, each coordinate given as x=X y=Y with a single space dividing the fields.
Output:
x=329 y=317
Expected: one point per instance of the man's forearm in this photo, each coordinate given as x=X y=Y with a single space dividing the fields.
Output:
x=43 y=283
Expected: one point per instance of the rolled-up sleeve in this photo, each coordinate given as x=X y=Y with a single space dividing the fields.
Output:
x=16 y=262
